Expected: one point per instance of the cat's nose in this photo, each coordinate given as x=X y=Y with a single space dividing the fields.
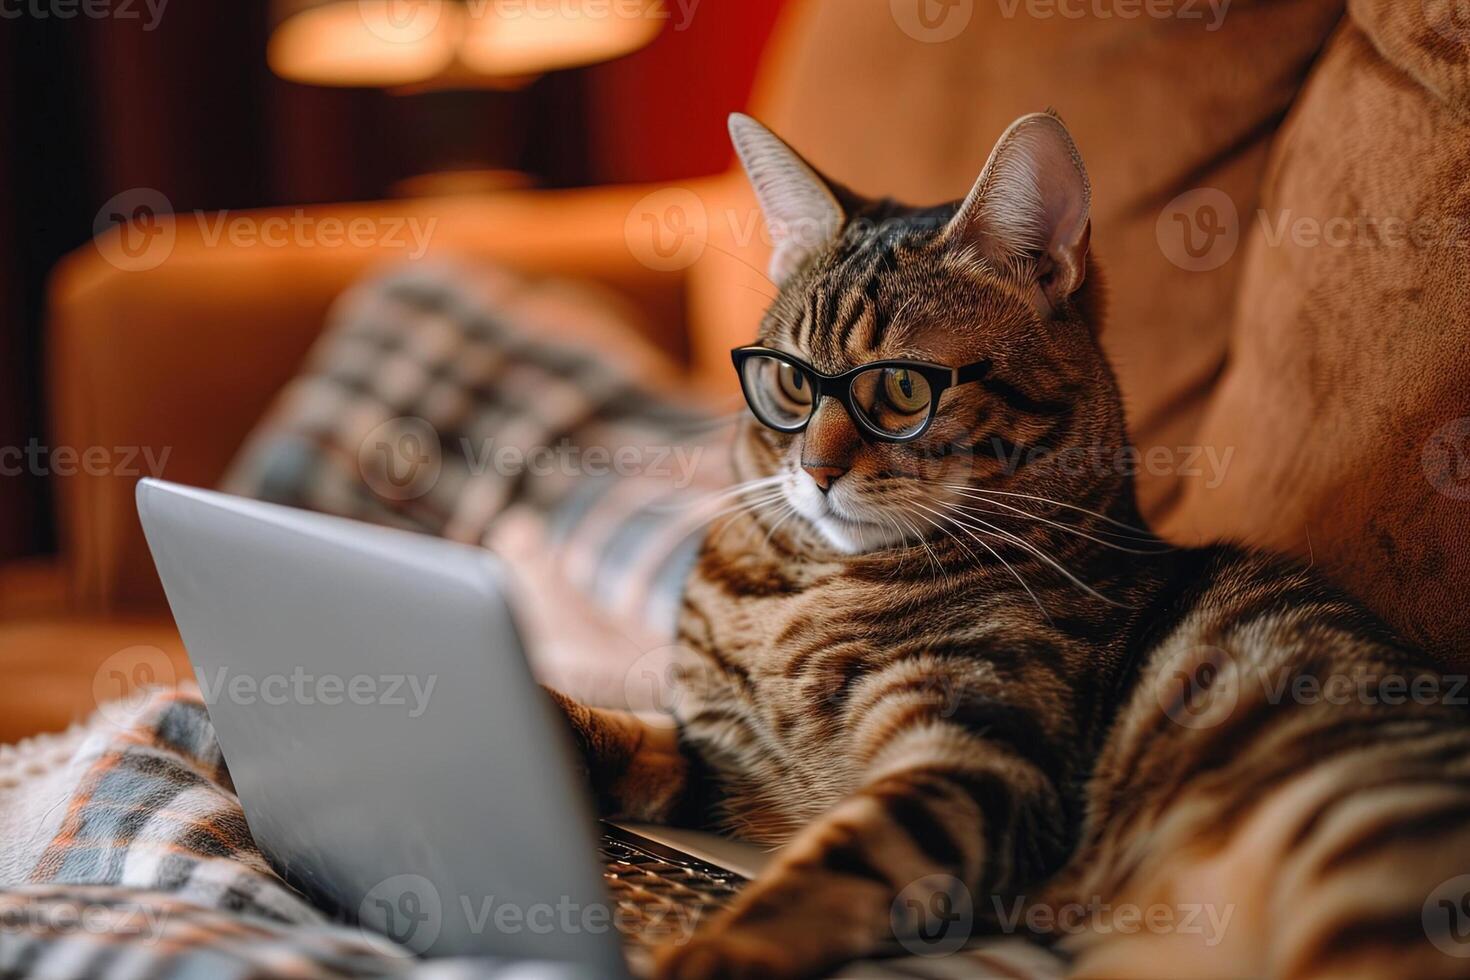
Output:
x=824 y=476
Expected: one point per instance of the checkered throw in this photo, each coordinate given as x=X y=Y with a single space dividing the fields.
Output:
x=141 y=865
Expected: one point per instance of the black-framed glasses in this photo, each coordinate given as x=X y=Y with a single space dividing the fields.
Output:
x=892 y=400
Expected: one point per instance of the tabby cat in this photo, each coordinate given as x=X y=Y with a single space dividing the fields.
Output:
x=937 y=645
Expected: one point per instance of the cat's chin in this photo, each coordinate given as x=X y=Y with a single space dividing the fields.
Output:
x=854 y=537
x=858 y=538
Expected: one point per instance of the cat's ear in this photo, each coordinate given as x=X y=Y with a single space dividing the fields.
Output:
x=802 y=211
x=1031 y=208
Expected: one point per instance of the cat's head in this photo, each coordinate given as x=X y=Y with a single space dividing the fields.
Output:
x=999 y=283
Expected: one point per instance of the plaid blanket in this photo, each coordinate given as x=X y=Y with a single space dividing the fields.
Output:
x=530 y=417
x=148 y=868
x=473 y=406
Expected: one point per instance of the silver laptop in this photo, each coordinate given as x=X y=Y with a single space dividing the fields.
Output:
x=392 y=752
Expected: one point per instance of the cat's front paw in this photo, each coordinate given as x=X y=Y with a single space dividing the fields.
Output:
x=636 y=770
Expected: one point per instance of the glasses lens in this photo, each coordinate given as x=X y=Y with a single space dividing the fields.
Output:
x=893 y=400
x=780 y=395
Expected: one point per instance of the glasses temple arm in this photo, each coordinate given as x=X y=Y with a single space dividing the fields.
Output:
x=972 y=372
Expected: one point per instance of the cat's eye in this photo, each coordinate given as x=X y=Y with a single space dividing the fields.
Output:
x=781 y=394
x=794 y=385
x=894 y=401
x=905 y=390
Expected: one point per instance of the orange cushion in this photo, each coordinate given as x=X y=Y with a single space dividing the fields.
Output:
x=1347 y=398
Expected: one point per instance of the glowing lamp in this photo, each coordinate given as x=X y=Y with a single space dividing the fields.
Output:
x=451 y=43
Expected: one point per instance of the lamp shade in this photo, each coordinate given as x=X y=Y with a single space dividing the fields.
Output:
x=384 y=43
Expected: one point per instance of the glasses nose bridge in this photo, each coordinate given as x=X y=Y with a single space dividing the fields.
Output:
x=838 y=386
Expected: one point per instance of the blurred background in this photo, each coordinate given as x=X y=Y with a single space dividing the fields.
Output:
x=189 y=99
x=585 y=141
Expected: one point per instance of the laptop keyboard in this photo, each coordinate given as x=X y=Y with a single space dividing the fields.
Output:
x=660 y=895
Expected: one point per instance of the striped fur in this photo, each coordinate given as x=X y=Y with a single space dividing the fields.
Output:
x=996 y=675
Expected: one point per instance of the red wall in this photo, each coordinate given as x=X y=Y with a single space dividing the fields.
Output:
x=660 y=113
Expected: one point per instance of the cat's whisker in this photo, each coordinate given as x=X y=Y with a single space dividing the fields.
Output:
x=1069 y=528
x=986 y=527
x=732 y=513
x=790 y=513
x=1008 y=567
x=902 y=539
x=758 y=291
x=758 y=271
x=944 y=532
x=760 y=494
x=716 y=496
x=715 y=423
x=986 y=492
x=933 y=558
